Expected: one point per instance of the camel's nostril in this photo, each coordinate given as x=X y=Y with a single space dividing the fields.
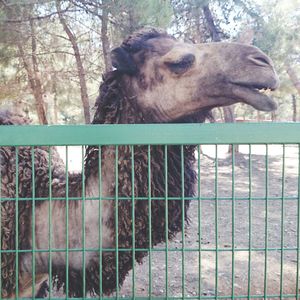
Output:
x=260 y=60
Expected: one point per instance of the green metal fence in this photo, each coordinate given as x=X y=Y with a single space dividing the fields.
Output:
x=243 y=236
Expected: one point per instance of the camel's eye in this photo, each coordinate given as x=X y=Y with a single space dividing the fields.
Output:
x=182 y=65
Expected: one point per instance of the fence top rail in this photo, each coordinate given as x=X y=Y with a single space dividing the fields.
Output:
x=153 y=134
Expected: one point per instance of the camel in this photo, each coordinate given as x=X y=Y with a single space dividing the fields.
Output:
x=156 y=79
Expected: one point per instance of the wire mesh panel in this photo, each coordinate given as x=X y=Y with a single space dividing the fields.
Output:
x=161 y=212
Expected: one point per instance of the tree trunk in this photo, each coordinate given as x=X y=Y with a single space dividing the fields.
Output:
x=53 y=104
x=258 y=116
x=38 y=88
x=55 y=108
x=211 y=24
x=197 y=15
x=35 y=85
x=294 y=108
x=79 y=64
x=31 y=67
x=293 y=76
x=132 y=26
x=296 y=82
x=105 y=40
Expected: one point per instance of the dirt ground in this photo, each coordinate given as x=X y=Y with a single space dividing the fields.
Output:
x=241 y=266
x=227 y=272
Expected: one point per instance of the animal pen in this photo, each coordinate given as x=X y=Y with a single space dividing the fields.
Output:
x=241 y=236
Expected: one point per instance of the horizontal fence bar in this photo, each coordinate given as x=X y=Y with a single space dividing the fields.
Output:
x=237 y=199
x=258 y=296
x=150 y=134
x=171 y=249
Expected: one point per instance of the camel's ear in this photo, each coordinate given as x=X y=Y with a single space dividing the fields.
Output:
x=123 y=61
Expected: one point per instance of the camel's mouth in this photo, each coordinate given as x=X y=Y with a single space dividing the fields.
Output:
x=256 y=94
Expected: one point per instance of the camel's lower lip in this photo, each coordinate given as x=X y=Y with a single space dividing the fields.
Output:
x=272 y=84
x=254 y=95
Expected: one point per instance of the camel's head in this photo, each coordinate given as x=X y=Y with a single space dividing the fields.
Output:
x=176 y=80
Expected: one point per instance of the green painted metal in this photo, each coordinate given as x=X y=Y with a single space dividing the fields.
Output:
x=133 y=220
x=199 y=221
x=266 y=222
x=250 y=223
x=83 y=222
x=154 y=134
x=157 y=249
x=233 y=220
x=298 y=229
x=221 y=198
x=167 y=220
x=50 y=235
x=282 y=217
x=216 y=222
x=117 y=220
x=100 y=217
x=0 y=231
x=67 y=222
x=16 y=222
x=33 y=223
x=170 y=134
x=182 y=222
x=150 y=220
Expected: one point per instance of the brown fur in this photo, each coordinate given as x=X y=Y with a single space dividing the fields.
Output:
x=8 y=194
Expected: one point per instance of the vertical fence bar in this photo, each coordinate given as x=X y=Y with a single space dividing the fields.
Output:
x=150 y=221
x=117 y=218
x=298 y=228
x=17 y=222
x=0 y=226
x=33 y=221
x=67 y=222
x=183 y=219
x=100 y=220
x=233 y=147
x=49 y=221
x=83 y=224
x=216 y=224
x=282 y=222
x=266 y=221
x=199 y=221
x=166 y=220
x=133 y=219
x=250 y=222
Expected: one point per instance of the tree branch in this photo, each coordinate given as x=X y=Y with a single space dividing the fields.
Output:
x=39 y=17
x=211 y=24
x=80 y=68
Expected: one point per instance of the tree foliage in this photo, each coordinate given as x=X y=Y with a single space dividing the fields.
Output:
x=278 y=35
x=42 y=69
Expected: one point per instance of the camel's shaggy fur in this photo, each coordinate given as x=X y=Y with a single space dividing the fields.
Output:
x=23 y=182
x=119 y=104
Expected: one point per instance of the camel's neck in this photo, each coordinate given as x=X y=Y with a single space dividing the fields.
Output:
x=113 y=107
x=116 y=106
x=144 y=170
x=100 y=171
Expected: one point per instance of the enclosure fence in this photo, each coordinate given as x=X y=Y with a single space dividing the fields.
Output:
x=241 y=237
